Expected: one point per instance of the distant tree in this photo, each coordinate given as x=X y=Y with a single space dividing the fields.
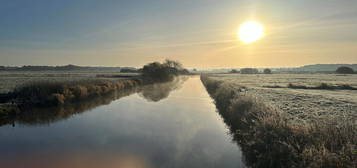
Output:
x=184 y=71
x=344 y=70
x=157 y=72
x=249 y=71
x=267 y=71
x=166 y=71
x=234 y=71
x=68 y=67
x=176 y=65
x=129 y=70
x=173 y=64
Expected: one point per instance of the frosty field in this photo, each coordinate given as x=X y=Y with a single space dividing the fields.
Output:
x=11 y=79
x=301 y=104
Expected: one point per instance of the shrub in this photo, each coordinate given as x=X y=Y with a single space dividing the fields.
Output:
x=249 y=71
x=293 y=86
x=267 y=71
x=163 y=71
x=159 y=72
x=344 y=70
x=129 y=70
x=234 y=71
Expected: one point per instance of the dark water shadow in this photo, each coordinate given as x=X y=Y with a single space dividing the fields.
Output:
x=46 y=116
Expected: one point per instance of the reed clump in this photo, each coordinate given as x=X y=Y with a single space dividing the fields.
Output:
x=56 y=93
x=47 y=115
x=269 y=139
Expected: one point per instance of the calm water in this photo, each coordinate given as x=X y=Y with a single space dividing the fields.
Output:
x=166 y=125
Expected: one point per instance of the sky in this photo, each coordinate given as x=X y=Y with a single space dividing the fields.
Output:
x=199 y=33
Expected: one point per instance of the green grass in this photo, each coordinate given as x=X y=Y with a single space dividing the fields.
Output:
x=269 y=139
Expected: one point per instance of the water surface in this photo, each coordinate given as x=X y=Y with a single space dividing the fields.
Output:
x=166 y=125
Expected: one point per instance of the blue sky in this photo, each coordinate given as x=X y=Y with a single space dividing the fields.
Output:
x=199 y=33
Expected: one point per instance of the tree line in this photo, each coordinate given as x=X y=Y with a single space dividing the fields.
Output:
x=340 y=70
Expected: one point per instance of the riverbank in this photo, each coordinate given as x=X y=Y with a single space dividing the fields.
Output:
x=48 y=94
x=303 y=105
x=46 y=115
x=269 y=138
x=54 y=93
x=37 y=114
x=161 y=125
x=51 y=93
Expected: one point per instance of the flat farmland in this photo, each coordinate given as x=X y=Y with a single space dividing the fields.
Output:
x=312 y=103
x=12 y=79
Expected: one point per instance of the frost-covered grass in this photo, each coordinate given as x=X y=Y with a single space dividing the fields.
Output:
x=260 y=80
x=322 y=86
x=301 y=104
x=9 y=80
x=270 y=137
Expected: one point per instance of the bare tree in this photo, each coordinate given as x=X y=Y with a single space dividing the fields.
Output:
x=173 y=64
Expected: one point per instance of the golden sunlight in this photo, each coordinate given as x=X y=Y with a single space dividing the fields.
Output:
x=250 y=31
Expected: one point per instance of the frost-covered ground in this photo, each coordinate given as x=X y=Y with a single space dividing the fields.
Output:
x=11 y=79
x=301 y=104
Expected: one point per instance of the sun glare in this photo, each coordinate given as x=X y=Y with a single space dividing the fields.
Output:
x=250 y=32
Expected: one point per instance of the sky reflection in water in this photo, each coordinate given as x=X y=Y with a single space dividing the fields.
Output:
x=171 y=128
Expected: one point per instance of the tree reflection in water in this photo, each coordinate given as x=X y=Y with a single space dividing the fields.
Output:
x=159 y=91
x=46 y=116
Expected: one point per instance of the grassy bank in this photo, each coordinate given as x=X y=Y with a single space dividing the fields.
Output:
x=50 y=92
x=269 y=139
x=55 y=93
x=60 y=93
x=41 y=113
x=48 y=115
x=47 y=93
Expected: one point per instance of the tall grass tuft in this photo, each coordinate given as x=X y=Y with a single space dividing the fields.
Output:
x=269 y=139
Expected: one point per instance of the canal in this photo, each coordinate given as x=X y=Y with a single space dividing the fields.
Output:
x=158 y=126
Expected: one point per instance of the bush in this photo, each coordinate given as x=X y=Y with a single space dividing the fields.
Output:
x=129 y=70
x=267 y=71
x=344 y=70
x=234 y=71
x=249 y=71
x=163 y=71
x=159 y=72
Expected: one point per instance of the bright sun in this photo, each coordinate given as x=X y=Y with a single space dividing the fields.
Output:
x=250 y=32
